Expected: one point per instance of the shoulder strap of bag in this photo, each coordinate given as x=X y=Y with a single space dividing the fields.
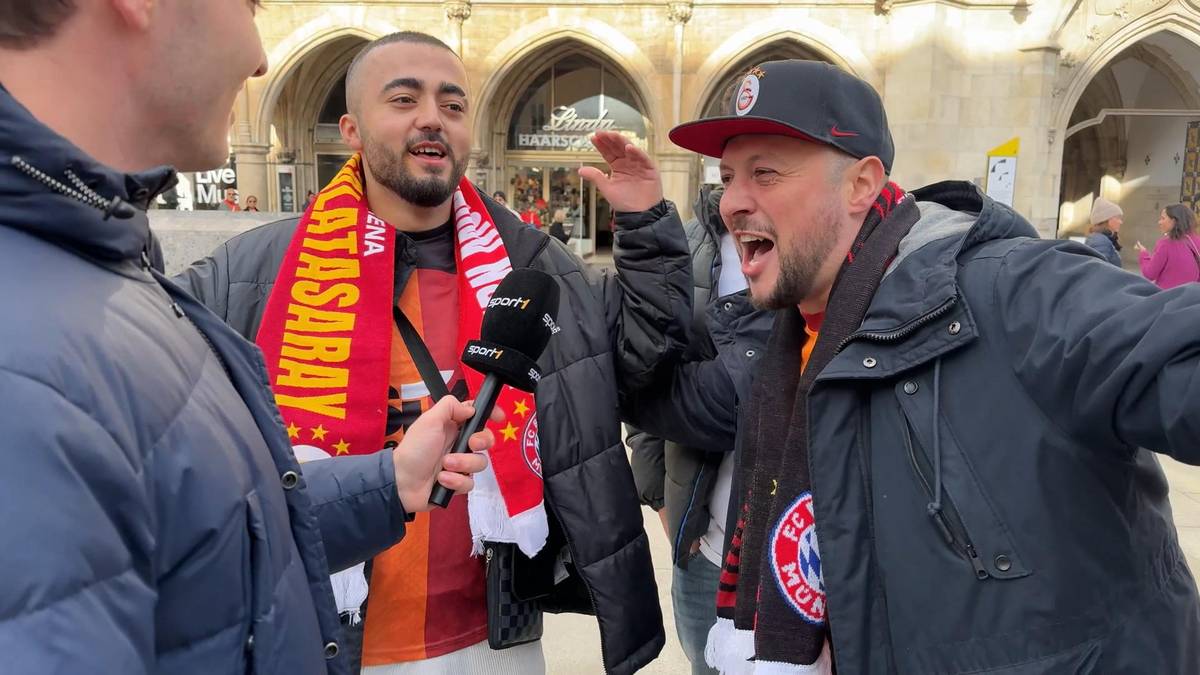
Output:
x=420 y=356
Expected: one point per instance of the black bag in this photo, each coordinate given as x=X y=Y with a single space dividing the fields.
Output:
x=512 y=620
x=514 y=615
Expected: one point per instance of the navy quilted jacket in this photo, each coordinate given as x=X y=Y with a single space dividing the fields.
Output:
x=154 y=517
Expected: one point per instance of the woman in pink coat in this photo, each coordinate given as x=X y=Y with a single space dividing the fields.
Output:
x=1176 y=258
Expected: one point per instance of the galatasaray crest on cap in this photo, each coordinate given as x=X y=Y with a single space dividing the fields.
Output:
x=809 y=100
x=747 y=92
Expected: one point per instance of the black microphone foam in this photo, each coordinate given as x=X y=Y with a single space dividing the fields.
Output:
x=517 y=325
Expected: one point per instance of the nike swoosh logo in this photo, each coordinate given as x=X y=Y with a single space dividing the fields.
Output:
x=841 y=134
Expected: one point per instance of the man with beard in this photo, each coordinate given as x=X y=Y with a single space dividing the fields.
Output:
x=446 y=246
x=946 y=410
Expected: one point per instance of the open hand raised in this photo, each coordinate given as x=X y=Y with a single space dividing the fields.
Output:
x=633 y=183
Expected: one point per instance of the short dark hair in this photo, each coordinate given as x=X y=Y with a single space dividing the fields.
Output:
x=1183 y=221
x=499 y=194
x=25 y=23
x=411 y=37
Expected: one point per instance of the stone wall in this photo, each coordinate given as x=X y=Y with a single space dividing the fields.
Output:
x=959 y=77
x=188 y=236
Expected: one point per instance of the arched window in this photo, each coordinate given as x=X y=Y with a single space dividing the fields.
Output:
x=720 y=101
x=568 y=101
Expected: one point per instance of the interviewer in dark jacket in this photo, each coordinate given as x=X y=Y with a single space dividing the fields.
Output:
x=155 y=519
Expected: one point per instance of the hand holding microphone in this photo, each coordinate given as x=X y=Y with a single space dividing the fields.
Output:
x=517 y=325
x=421 y=462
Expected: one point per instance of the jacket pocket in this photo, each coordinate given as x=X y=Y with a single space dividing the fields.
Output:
x=966 y=520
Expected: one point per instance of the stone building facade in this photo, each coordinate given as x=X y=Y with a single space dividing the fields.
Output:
x=1099 y=94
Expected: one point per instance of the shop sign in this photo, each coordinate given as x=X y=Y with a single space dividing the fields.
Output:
x=567 y=130
x=200 y=191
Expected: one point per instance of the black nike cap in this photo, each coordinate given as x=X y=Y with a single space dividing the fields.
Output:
x=810 y=100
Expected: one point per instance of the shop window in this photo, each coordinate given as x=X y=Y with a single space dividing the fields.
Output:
x=570 y=100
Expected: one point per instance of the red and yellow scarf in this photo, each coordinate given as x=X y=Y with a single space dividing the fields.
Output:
x=326 y=336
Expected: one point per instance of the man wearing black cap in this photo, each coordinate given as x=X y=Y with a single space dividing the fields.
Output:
x=941 y=409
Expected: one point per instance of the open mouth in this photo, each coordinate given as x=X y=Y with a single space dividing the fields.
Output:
x=428 y=151
x=757 y=251
x=755 y=246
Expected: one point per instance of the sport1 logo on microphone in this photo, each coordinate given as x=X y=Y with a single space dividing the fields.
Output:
x=519 y=303
x=485 y=352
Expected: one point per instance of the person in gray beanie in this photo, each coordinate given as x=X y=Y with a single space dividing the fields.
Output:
x=1106 y=225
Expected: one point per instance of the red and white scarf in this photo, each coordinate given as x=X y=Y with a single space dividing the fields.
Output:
x=326 y=335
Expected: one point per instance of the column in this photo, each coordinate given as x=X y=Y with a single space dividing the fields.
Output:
x=677 y=167
x=680 y=13
x=252 y=174
x=250 y=155
x=457 y=11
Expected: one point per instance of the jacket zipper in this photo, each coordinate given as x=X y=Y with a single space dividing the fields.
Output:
x=903 y=331
x=178 y=310
x=948 y=520
x=212 y=348
x=687 y=512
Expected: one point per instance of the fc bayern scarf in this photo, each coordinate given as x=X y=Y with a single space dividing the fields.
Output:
x=771 y=592
x=327 y=336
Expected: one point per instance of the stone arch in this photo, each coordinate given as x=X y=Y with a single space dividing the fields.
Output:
x=333 y=24
x=823 y=41
x=509 y=61
x=1096 y=151
x=1170 y=19
x=718 y=92
x=1093 y=162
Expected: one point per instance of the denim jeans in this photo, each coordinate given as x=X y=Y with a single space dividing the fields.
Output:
x=694 y=600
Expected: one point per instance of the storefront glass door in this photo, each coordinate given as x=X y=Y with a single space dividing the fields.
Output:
x=540 y=192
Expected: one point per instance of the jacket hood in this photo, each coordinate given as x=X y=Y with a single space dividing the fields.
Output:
x=105 y=218
x=955 y=217
x=708 y=209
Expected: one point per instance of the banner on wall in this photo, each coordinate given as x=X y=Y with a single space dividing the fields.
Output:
x=200 y=190
x=1001 y=181
x=1189 y=190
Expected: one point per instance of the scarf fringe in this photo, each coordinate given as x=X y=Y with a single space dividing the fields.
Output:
x=729 y=650
x=490 y=522
x=350 y=589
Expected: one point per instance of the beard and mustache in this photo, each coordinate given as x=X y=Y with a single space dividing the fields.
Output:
x=428 y=190
x=800 y=262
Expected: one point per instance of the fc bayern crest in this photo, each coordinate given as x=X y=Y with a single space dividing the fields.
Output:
x=529 y=445
x=796 y=561
x=746 y=96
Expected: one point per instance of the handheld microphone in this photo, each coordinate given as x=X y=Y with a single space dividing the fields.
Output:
x=517 y=324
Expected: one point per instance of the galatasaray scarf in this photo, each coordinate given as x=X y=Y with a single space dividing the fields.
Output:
x=771 y=593
x=327 y=332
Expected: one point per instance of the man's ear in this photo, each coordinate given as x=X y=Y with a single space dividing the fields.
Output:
x=865 y=180
x=137 y=14
x=348 y=125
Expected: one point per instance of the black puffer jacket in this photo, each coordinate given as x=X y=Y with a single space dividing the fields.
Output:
x=672 y=469
x=615 y=331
